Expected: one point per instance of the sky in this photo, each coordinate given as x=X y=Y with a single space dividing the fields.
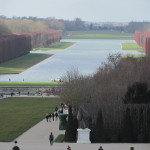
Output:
x=87 y=10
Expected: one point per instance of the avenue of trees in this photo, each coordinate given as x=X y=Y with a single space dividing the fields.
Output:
x=117 y=97
x=25 y=25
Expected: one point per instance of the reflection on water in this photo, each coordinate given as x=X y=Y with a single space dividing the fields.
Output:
x=85 y=55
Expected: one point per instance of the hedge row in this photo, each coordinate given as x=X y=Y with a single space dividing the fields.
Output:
x=15 y=45
x=44 y=38
x=143 y=40
x=12 y=46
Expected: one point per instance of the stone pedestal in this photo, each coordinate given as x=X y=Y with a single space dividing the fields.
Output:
x=83 y=135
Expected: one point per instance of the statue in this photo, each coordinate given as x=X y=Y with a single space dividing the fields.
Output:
x=83 y=118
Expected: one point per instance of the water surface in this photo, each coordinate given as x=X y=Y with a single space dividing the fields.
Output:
x=86 y=55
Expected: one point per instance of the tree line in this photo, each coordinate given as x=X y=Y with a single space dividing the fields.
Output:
x=31 y=24
x=25 y=25
x=117 y=97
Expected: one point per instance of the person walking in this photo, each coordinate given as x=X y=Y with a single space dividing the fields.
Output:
x=53 y=116
x=47 y=117
x=51 y=138
x=56 y=115
x=68 y=148
x=56 y=109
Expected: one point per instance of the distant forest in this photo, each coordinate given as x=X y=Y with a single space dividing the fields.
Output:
x=32 y=24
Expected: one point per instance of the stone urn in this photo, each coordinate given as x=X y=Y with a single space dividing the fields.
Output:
x=63 y=121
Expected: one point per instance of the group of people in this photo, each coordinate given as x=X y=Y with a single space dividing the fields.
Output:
x=54 y=116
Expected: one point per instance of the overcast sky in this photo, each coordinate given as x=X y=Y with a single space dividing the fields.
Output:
x=87 y=10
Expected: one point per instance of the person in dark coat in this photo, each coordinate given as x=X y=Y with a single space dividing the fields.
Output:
x=51 y=138
x=56 y=115
x=46 y=117
x=68 y=148
x=49 y=117
x=53 y=115
x=56 y=109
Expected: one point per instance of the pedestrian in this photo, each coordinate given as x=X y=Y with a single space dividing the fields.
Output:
x=62 y=105
x=15 y=147
x=51 y=138
x=68 y=148
x=46 y=117
x=56 y=109
x=100 y=148
x=56 y=115
x=49 y=116
x=53 y=115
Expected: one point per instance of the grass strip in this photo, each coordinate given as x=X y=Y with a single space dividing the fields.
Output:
x=57 y=45
x=60 y=138
x=13 y=83
x=97 y=35
x=21 y=63
x=131 y=46
x=19 y=114
x=134 y=56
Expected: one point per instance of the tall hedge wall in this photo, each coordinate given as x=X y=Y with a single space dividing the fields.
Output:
x=15 y=45
x=143 y=39
x=12 y=46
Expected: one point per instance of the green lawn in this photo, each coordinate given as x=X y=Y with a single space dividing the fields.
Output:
x=60 y=138
x=97 y=35
x=19 y=114
x=20 y=64
x=57 y=45
x=13 y=83
x=131 y=46
x=134 y=56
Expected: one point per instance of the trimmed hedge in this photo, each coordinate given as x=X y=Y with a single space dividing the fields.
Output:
x=15 y=45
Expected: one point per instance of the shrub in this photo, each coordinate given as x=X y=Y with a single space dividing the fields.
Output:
x=71 y=130
x=137 y=93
